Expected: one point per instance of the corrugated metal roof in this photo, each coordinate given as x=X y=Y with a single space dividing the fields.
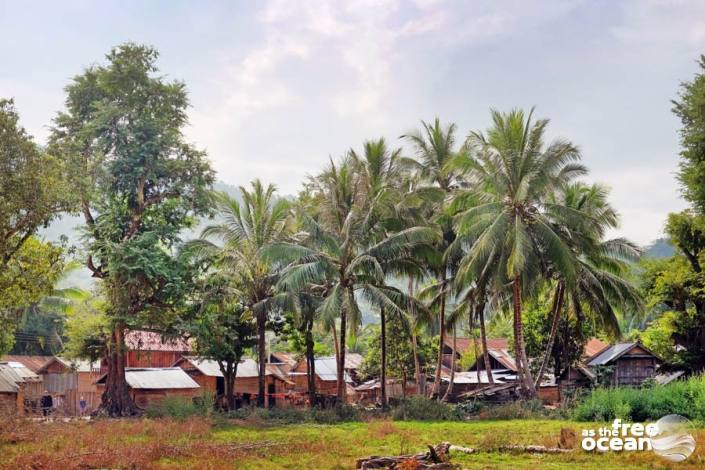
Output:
x=245 y=369
x=23 y=373
x=138 y=340
x=327 y=369
x=592 y=347
x=463 y=345
x=471 y=378
x=33 y=363
x=158 y=378
x=610 y=354
x=503 y=357
x=353 y=360
x=8 y=379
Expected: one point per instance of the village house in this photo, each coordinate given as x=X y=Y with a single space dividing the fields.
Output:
x=497 y=349
x=628 y=363
x=326 y=379
x=579 y=375
x=151 y=349
x=67 y=380
x=208 y=375
x=20 y=389
x=151 y=385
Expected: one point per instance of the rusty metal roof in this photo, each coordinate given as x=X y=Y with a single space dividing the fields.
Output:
x=138 y=340
x=33 y=363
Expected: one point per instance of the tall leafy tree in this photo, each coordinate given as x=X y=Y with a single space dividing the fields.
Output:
x=28 y=276
x=33 y=190
x=32 y=193
x=512 y=174
x=222 y=328
x=238 y=242
x=690 y=108
x=138 y=185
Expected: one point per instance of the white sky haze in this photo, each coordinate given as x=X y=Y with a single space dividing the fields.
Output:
x=279 y=86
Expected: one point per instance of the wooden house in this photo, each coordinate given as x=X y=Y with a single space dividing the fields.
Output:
x=285 y=362
x=326 y=378
x=497 y=349
x=625 y=364
x=20 y=388
x=69 y=380
x=148 y=349
x=208 y=375
x=151 y=385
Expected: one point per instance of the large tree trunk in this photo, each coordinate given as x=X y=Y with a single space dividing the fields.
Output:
x=116 y=400
x=449 y=390
x=436 y=391
x=341 y=386
x=262 y=358
x=480 y=314
x=556 y=315
x=310 y=366
x=383 y=362
x=526 y=382
x=229 y=371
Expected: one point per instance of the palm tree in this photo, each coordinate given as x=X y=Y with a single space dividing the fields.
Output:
x=339 y=255
x=246 y=229
x=512 y=175
x=435 y=151
x=381 y=177
x=600 y=287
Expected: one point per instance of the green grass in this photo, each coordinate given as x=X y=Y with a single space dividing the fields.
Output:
x=199 y=443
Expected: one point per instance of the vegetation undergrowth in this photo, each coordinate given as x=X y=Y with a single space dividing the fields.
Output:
x=684 y=397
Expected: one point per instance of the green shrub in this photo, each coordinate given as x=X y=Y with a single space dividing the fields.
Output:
x=299 y=415
x=651 y=402
x=422 y=409
x=172 y=407
x=181 y=407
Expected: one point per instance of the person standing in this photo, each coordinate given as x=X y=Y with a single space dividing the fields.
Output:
x=46 y=403
x=83 y=405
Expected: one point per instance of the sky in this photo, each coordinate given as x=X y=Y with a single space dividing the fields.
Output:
x=278 y=87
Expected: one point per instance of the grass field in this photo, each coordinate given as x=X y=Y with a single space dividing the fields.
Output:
x=201 y=444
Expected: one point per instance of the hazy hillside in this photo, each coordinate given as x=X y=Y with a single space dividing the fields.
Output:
x=659 y=248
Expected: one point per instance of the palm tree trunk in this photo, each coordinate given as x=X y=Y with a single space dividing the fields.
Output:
x=526 y=383
x=480 y=314
x=262 y=358
x=383 y=362
x=436 y=390
x=449 y=390
x=341 y=359
x=556 y=314
x=420 y=379
x=311 y=365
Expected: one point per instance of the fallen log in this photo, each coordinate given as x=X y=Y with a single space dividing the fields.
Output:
x=436 y=458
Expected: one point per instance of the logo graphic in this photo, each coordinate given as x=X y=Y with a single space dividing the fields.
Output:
x=672 y=440
x=668 y=438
